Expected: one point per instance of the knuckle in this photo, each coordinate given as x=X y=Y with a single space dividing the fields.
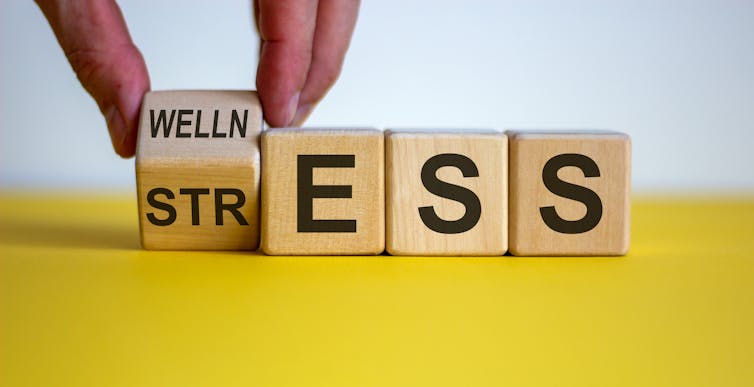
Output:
x=86 y=63
x=93 y=65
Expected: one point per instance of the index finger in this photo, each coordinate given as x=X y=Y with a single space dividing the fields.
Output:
x=287 y=31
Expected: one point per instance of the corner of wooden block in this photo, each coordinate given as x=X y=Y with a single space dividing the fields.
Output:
x=148 y=244
x=623 y=251
x=516 y=251
x=376 y=249
x=269 y=248
x=395 y=251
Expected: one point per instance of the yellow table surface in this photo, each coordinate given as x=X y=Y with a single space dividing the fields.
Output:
x=82 y=305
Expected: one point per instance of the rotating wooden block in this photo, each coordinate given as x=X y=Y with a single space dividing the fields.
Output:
x=197 y=170
x=323 y=192
x=447 y=193
x=570 y=193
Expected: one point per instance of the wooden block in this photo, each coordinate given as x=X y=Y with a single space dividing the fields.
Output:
x=323 y=192
x=447 y=193
x=570 y=193
x=197 y=170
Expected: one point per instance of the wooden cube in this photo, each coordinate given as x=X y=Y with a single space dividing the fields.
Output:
x=447 y=192
x=197 y=170
x=323 y=192
x=569 y=193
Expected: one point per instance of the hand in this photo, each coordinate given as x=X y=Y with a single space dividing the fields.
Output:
x=303 y=46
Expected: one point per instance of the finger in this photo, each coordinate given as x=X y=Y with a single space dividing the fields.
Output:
x=287 y=31
x=95 y=39
x=336 y=20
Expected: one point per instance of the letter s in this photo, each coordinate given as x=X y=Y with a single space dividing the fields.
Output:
x=571 y=191
x=452 y=192
x=161 y=206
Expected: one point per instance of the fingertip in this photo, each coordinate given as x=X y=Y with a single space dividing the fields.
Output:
x=290 y=110
x=130 y=94
x=302 y=113
x=276 y=115
x=127 y=146
x=120 y=132
x=123 y=114
x=280 y=79
x=279 y=108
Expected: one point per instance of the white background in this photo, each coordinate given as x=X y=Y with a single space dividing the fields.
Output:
x=678 y=76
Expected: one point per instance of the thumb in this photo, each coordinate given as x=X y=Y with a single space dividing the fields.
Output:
x=95 y=39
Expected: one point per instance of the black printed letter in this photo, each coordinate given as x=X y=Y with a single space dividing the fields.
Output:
x=161 y=206
x=233 y=208
x=571 y=191
x=166 y=125
x=307 y=192
x=452 y=192
x=194 y=192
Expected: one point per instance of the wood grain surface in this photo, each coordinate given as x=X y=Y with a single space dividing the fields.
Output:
x=407 y=154
x=281 y=149
x=529 y=153
x=201 y=148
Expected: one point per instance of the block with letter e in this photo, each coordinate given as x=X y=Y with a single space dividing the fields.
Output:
x=323 y=192
x=447 y=192
x=569 y=193
x=198 y=171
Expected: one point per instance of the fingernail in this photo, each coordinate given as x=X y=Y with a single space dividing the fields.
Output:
x=302 y=114
x=291 y=109
x=117 y=128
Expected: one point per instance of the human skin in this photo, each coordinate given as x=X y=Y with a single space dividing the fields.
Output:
x=303 y=44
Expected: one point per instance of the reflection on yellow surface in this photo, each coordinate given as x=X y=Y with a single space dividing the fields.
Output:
x=82 y=305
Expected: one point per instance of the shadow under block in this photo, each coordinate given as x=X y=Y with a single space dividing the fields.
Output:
x=323 y=192
x=197 y=170
x=446 y=193
x=569 y=193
